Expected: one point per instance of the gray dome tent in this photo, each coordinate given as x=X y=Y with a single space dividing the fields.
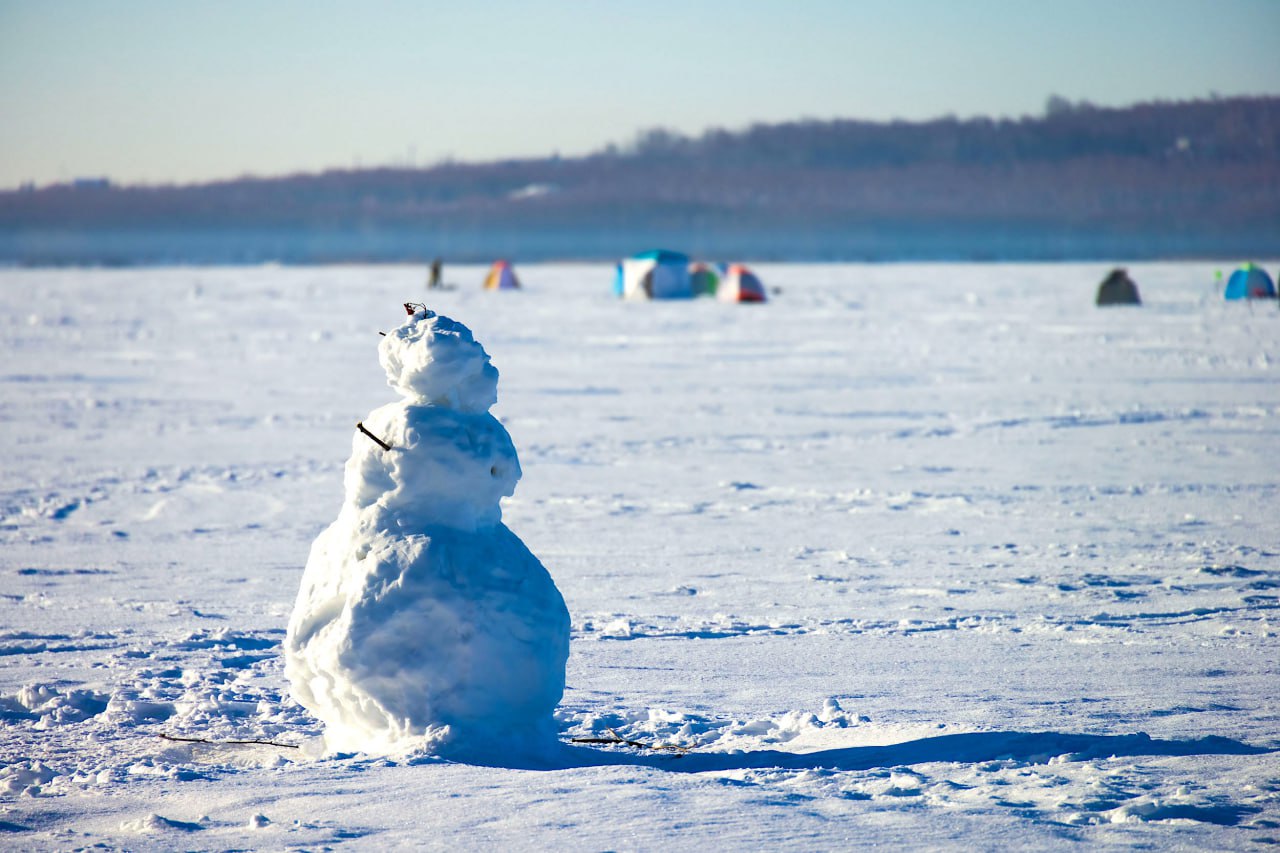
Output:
x=1118 y=289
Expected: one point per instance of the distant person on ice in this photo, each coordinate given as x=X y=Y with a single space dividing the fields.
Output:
x=434 y=281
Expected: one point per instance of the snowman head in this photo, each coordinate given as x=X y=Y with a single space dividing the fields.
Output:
x=435 y=360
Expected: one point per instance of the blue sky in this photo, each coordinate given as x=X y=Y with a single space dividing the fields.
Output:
x=157 y=92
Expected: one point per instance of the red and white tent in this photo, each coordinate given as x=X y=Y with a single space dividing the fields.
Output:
x=740 y=284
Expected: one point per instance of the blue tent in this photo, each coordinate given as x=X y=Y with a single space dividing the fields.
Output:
x=1250 y=282
x=653 y=275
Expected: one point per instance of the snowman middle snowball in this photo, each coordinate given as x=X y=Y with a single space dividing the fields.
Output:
x=422 y=621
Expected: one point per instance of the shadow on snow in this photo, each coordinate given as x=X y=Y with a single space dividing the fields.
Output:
x=1027 y=747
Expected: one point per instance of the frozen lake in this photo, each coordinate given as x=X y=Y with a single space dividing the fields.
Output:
x=912 y=555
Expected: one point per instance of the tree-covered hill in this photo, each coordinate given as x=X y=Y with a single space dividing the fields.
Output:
x=1183 y=179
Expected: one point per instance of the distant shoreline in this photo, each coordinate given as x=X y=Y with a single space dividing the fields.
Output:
x=142 y=247
x=1269 y=262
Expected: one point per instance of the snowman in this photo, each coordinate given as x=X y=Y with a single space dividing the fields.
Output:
x=423 y=623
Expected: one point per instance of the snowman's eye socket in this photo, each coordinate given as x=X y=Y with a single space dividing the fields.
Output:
x=493 y=470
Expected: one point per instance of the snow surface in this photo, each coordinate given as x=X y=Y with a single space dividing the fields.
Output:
x=928 y=556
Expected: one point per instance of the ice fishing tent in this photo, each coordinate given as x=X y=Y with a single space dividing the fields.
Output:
x=740 y=285
x=703 y=280
x=1250 y=282
x=501 y=277
x=1118 y=289
x=654 y=275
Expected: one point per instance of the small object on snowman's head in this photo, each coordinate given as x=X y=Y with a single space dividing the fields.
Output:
x=412 y=308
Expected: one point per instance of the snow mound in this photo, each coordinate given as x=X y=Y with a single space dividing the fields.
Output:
x=422 y=622
x=51 y=706
x=159 y=823
x=832 y=726
x=25 y=777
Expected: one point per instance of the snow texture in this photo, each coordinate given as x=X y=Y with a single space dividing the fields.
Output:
x=422 y=621
x=915 y=556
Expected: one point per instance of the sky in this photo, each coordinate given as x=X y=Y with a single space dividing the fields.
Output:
x=182 y=91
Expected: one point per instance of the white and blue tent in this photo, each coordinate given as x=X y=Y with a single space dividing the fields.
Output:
x=658 y=274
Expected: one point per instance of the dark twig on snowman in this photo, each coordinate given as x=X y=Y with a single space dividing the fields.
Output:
x=372 y=437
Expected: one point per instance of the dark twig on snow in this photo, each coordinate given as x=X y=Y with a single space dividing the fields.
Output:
x=164 y=736
x=619 y=739
x=372 y=437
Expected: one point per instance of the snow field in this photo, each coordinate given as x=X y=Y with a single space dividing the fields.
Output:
x=949 y=531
